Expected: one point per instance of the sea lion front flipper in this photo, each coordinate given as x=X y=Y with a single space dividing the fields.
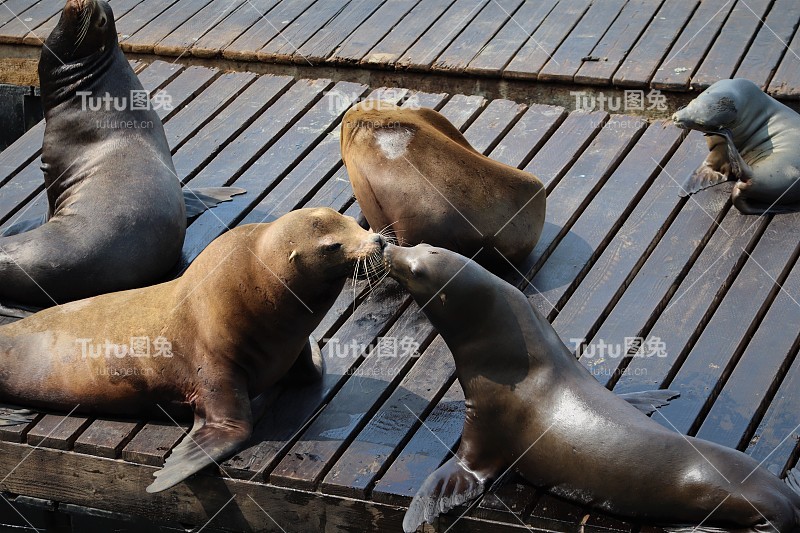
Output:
x=226 y=427
x=16 y=312
x=449 y=486
x=793 y=479
x=13 y=416
x=650 y=400
x=702 y=178
x=199 y=200
x=25 y=225
x=309 y=366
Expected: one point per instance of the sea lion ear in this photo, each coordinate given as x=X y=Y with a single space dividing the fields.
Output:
x=292 y=255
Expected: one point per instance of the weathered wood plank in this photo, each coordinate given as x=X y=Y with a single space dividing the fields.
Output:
x=528 y=135
x=185 y=36
x=763 y=57
x=711 y=359
x=583 y=38
x=41 y=32
x=731 y=44
x=10 y=10
x=28 y=21
x=406 y=32
x=758 y=372
x=369 y=34
x=106 y=438
x=649 y=51
x=58 y=432
x=694 y=41
x=145 y=39
x=152 y=444
x=786 y=81
x=427 y=48
x=694 y=302
x=247 y=19
x=139 y=16
x=498 y=52
x=612 y=49
x=541 y=46
x=480 y=31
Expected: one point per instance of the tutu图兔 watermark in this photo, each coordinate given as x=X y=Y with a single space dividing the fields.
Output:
x=137 y=347
x=633 y=100
x=384 y=347
x=138 y=100
x=631 y=346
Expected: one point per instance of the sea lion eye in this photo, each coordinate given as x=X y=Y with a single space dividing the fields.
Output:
x=332 y=247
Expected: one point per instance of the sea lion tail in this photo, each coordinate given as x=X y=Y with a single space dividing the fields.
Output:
x=200 y=200
x=451 y=485
x=650 y=400
x=11 y=416
x=793 y=480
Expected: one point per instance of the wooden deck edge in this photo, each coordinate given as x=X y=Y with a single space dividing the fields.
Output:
x=112 y=484
x=18 y=66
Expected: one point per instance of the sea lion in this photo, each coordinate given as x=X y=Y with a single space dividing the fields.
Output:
x=212 y=340
x=416 y=175
x=117 y=215
x=532 y=406
x=753 y=139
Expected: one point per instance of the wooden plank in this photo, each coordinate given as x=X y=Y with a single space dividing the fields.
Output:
x=655 y=283
x=316 y=168
x=641 y=63
x=366 y=36
x=42 y=32
x=21 y=152
x=541 y=46
x=205 y=107
x=57 y=432
x=786 y=81
x=731 y=44
x=775 y=440
x=528 y=135
x=327 y=437
x=285 y=45
x=695 y=301
x=21 y=189
x=565 y=146
x=579 y=185
x=406 y=32
x=229 y=124
x=422 y=54
x=554 y=514
x=325 y=41
x=237 y=24
x=144 y=40
x=427 y=449
x=768 y=47
x=612 y=49
x=497 y=53
x=18 y=433
x=152 y=444
x=759 y=371
x=476 y=35
x=28 y=21
x=631 y=245
x=259 y=174
x=139 y=16
x=604 y=215
x=184 y=88
x=693 y=43
x=181 y=41
x=719 y=347
x=10 y=10
x=510 y=502
x=106 y=438
x=276 y=28
x=568 y=59
x=375 y=446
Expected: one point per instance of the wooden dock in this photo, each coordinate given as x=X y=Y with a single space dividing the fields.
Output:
x=713 y=294
x=671 y=45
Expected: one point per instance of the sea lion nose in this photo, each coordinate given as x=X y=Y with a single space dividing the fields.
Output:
x=379 y=239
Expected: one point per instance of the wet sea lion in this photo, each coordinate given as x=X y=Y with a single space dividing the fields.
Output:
x=753 y=140
x=211 y=340
x=117 y=215
x=414 y=173
x=532 y=406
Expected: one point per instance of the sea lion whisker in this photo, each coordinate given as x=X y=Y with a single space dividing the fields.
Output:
x=86 y=19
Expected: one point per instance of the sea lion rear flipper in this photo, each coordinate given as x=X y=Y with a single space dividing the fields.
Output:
x=12 y=416
x=199 y=200
x=25 y=225
x=451 y=485
x=650 y=400
x=793 y=479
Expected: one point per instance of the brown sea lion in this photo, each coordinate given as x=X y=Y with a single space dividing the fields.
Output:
x=532 y=406
x=210 y=341
x=117 y=215
x=753 y=140
x=414 y=173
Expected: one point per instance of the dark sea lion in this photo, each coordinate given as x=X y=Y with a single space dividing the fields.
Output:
x=532 y=406
x=414 y=173
x=117 y=215
x=753 y=140
x=212 y=340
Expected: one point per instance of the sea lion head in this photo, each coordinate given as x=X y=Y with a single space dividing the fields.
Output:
x=718 y=107
x=323 y=242
x=86 y=27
